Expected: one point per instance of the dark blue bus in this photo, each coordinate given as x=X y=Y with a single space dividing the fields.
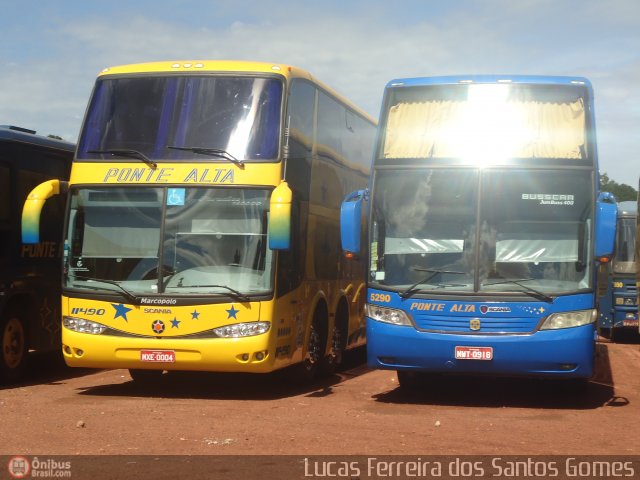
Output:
x=29 y=274
x=618 y=306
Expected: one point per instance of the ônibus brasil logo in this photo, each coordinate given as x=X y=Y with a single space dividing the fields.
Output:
x=19 y=467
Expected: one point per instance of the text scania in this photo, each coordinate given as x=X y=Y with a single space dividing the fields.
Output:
x=166 y=175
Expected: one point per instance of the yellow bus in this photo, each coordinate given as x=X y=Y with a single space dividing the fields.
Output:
x=202 y=228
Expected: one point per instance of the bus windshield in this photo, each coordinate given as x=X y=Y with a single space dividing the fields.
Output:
x=624 y=260
x=178 y=241
x=486 y=123
x=174 y=116
x=464 y=230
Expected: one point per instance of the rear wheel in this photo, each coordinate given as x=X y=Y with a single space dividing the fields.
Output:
x=338 y=340
x=14 y=347
x=312 y=362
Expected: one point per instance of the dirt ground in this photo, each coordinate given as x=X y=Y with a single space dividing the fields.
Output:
x=61 y=411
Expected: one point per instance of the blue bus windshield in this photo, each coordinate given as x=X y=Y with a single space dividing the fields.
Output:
x=481 y=230
x=624 y=260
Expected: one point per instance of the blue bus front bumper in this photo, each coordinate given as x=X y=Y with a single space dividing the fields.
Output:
x=565 y=353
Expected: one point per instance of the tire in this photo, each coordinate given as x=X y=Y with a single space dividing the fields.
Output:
x=409 y=380
x=338 y=340
x=310 y=366
x=13 y=361
x=146 y=377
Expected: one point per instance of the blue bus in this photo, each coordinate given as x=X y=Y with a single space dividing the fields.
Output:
x=485 y=226
x=618 y=304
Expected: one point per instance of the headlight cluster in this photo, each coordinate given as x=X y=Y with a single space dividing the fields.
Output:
x=83 y=326
x=238 y=330
x=387 y=315
x=556 y=321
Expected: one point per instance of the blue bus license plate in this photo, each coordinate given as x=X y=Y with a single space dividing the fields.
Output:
x=474 y=353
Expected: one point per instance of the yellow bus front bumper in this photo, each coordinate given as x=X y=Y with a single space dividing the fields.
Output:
x=248 y=354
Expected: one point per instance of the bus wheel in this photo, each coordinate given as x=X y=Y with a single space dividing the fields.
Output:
x=338 y=340
x=308 y=369
x=331 y=361
x=146 y=377
x=14 y=347
x=409 y=380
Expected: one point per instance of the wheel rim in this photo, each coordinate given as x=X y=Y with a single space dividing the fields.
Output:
x=13 y=343
x=313 y=352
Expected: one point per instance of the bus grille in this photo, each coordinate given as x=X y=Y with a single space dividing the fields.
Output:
x=468 y=325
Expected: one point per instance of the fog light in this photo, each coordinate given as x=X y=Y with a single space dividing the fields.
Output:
x=259 y=356
x=79 y=352
x=245 y=357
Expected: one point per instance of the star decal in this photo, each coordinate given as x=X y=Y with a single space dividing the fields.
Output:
x=121 y=311
x=175 y=322
x=195 y=315
x=232 y=312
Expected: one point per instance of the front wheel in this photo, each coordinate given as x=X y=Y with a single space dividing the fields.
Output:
x=146 y=377
x=409 y=380
x=14 y=347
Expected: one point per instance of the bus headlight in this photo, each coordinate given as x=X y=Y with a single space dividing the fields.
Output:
x=83 y=326
x=238 y=330
x=560 y=320
x=387 y=315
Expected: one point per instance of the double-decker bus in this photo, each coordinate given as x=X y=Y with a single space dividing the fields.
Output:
x=618 y=303
x=202 y=230
x=485 y=223
x=29 y=273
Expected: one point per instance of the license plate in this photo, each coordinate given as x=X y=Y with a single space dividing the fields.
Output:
x=474 y=353
x=630 y=323
x=163 y=356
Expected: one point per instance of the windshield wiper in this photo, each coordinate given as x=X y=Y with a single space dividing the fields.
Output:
x=432 y=273
x=127 y=153
x=531 y=291
x=216 y=152
x=235 y=293
x=128 y=295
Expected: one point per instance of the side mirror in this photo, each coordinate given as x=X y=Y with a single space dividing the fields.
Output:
x=280 y=220
x=351 y=221
x=605 y=231
x=33 y=208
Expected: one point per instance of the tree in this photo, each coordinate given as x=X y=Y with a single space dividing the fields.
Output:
x=622 y=191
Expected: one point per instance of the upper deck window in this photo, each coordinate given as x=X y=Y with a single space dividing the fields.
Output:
x=239 y=116
x=486 y=123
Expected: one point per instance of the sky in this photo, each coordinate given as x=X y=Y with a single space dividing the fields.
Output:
x=52 y=50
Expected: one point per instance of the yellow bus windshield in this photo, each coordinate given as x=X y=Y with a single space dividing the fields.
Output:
x=171 y=117
x=178 y=241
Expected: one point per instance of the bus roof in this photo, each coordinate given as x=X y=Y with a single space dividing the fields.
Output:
x=236 y=66
x=508 y=79
x=23 y=135
x=627 y=209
